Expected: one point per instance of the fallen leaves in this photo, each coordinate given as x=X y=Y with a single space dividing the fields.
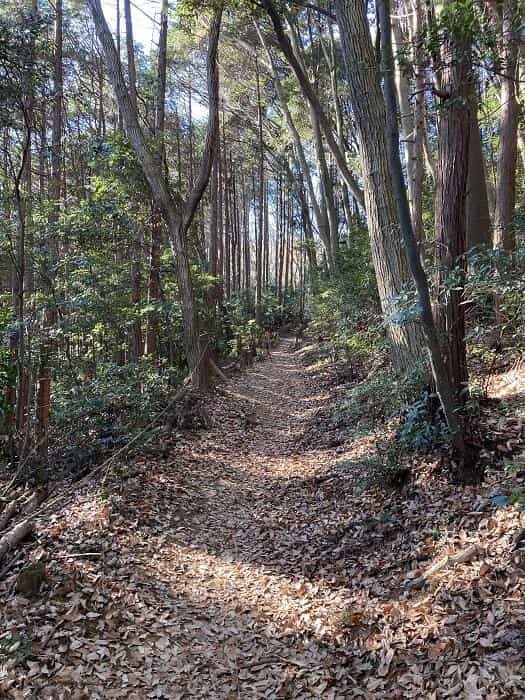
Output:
x=253 y=564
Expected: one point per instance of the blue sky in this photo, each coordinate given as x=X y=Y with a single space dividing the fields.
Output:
x=145 y=16
x=145 y=31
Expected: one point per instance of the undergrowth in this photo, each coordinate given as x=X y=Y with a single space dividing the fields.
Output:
x=351 y=333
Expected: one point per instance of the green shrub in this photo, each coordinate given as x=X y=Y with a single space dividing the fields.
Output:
x=344 y=307
x=118 y=400
x=423 y=427
x=496 y=274
x=380 y=396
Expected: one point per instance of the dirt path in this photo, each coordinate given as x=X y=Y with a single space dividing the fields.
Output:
x=253 y=618
x=251 y=562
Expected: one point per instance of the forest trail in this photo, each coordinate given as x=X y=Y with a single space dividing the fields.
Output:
x=252 y=562
x=247 y=613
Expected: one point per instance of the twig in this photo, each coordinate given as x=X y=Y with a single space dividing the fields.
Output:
x=78 y=555
x=9 y=512
x=8 y=566
x=14 y=536
x=449 y=560
x=51 y=634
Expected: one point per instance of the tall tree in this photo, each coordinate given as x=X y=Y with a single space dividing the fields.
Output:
x=177 y=213
x=318 y=208
x=43 y=400
x=313 y=100
x=465 y=470
x=478 y=223
x=362 y=73
x=406 y=30
x=455 y=76
x=504 y=236
x=152 y=333
x=136 y=244
x=260 y=205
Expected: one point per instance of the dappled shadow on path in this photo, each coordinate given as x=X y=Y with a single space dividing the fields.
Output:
x=256 y=562
x=288 y=536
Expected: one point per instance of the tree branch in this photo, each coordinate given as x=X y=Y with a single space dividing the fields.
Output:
x=309 y=93
x=210 y=146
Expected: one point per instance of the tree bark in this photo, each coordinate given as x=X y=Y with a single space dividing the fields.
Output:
x=450 y=212
x=258 y=251
x=43 y=399
x=246 y=235
x=152 y=332
x=120 y=123
x=478 y=225
x=504 y=235
x=130 y=49
x=412 y=120
x=136 y=243
x=214 y=219
x=439 y=370
x=227 y=223
x=369 y=112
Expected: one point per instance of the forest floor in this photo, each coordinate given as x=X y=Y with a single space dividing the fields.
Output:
x=257 y=561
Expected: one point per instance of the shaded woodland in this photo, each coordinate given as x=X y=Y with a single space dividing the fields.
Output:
x=261 y=338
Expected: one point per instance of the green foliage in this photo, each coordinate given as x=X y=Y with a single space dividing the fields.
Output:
x=493 y=289
x=467 y=23
x=238 y=323
x=344 y=307
x=118 y=170
x=14 y=649
x=21 y=46
x=497 y=274
x=100 y=411
x=7 y=366
x=382 y=395
x=387 y=468
x=423 y=428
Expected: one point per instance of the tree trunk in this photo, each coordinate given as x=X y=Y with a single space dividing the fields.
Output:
x=320 y=214
x=369 y=112
x=152 y=332
x=214 y=219
x=177 y=214
x=450 y=212
x=345 y=194
x=120 y=123
x=136 y=291
x=504 y=235
x=246 y=235
x=331 y=218
x=412 y=121
x=220 y=222
x=439 y=370
x=478 y=225
x=43 y=399
x=258 y=252
x=233 y=227
x=313 y=100
x=130 y=50
x=227 y=224
x=136 y=245
x=25 y=257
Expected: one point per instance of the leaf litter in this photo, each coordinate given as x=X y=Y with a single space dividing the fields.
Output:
x=248 y=561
